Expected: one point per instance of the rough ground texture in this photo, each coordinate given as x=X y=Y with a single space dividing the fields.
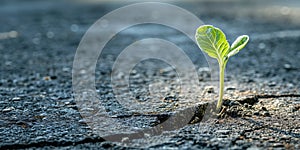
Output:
x=38 y=41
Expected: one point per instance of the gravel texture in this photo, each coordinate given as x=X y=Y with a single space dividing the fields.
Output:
x=38 y=41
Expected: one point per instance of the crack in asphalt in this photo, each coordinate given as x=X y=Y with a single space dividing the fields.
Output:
x=277 y=95
x=161 y=117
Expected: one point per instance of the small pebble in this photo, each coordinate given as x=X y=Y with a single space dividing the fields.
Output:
x=278 y=145
x=133 y=71
x=264 y=108
x=8 y=109
x=285 y=137
x=66 y=69
x=290 y=85
x=50 y=34
x=16 y=99
x=74 y=28
x=296 y=108
x=170 y=98
x=124 y=139
x=271 y=84
x=204 y=69
x=8 y=63
x=261 y=45
x=82 y=121
x=256 y=113
x=167 y=69
x=247 y=105
x=209 y=89
x=266 y=114
x=47 y=78
x=230 y=88
x=287 y=66
x=40 y=138
x=223 y=131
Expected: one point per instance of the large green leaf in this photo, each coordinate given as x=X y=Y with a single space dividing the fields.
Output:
x=212 y=41
x=238 y=44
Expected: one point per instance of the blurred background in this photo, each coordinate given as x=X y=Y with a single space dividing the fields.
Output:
x=34 y=28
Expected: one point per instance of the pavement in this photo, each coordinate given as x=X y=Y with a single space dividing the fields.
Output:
x=38 y=110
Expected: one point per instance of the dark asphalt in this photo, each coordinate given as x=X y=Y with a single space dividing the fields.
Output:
x=38 y=41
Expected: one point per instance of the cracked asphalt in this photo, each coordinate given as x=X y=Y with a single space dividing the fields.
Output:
x=38 y=41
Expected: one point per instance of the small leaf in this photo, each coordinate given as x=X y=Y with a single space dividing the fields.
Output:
x=238 y=44
x=212 y=41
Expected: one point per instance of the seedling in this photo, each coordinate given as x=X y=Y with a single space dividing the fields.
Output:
x=213 y=41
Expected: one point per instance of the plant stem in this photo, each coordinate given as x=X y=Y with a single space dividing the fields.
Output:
x=221 y=87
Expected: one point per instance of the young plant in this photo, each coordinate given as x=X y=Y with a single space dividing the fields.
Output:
x=213 y=41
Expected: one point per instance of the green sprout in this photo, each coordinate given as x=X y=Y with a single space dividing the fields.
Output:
x=213 y=41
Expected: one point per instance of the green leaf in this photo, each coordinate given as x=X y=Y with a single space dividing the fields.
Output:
x=212 y=41
x=238 y=44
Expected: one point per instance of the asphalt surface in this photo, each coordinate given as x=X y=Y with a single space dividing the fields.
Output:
x=38 y=41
